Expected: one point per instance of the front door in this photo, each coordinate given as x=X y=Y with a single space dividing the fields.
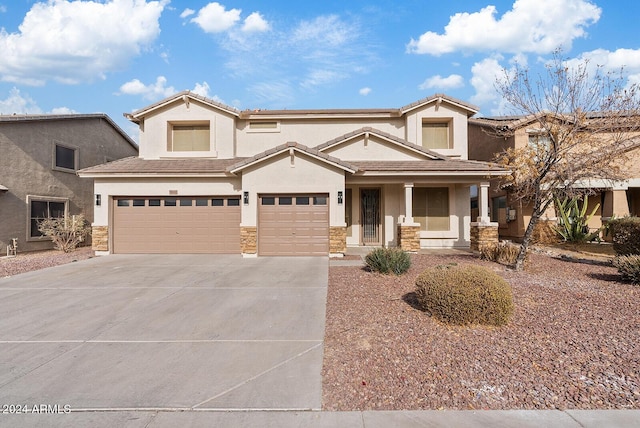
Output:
x=370 y=216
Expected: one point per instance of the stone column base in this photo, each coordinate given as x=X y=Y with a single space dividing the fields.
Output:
x=483 y=234
x=409 y=237
x=249 y=240
x=100 y=238
x=337 y=240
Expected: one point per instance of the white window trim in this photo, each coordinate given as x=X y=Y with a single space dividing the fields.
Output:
x=452 y=233
x=76 y=157
x=31 y=198
x=263 y=130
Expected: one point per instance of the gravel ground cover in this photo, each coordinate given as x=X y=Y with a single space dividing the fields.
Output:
x=35 y=260
x=573 y=342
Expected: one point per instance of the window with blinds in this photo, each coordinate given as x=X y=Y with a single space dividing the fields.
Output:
x=436 y=135
x=189 y=138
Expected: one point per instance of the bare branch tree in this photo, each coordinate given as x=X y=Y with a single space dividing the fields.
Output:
x=587 y=122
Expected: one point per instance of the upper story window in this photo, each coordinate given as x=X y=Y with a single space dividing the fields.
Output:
x=65 y=158
x=264 y=126
x=437 y=134
x=193 y=137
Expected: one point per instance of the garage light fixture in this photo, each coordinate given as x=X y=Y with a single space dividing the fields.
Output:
x=245 y=198
x=98 y=199
x=339 y=197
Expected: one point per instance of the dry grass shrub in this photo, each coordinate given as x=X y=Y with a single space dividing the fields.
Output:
x=388 y=260
x=66 y=233
x=628 y=267
x=500 y=252
x=463 y=295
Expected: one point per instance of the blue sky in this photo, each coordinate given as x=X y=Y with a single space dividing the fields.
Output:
x=116 y=56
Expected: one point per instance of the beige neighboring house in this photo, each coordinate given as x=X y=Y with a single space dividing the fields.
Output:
x=213 y=179
x=618 y=198
x=39 y=158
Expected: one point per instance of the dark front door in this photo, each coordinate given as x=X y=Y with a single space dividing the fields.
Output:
x=370 y=216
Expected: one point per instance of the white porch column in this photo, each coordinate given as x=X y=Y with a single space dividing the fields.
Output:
x=483 y=203
x=408 y=202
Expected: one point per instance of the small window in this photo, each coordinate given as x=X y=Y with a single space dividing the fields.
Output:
x=123 y=202
x=499 y=209
x=264 y=126
x=218 y=202
x=189 y=138
x=186 y=202
x=65 y=157
x=319 y=200
x=268 y=200
x=201 y=202
x=233 y=202
x=431 y=208
x=138 y=202
x=170 y=202
x=154 y=202
x=302 y=200
x=285 y=200
x=44 y=209
x=436 y=135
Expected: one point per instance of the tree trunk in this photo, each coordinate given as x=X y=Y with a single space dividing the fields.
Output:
x=526 y=240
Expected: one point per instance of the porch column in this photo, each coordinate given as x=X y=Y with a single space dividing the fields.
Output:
x=483 y=203
x=408 y=202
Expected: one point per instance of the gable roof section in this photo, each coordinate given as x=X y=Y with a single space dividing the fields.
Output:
x=135 y=166
x=185 y=96
x=432 y=167
x=440 y=98
x=77 y=116
x=314 y=153
x=382 y=135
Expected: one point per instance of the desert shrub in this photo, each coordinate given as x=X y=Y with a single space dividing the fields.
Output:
x=501 y=252
x=66 y=233
x=573 y=220
x=388 y=260
x=625 y=233
x=628 y=267
x=465 y=295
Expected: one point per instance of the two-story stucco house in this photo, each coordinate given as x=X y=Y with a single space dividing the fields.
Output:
x=39 y=158
x=212 y=179
x=611 y=198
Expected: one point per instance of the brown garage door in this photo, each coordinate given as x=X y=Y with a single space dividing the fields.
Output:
x=293 y=225
x=176 y=225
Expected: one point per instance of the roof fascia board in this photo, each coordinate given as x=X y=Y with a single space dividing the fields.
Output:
x=135 y=116
x=286 y=149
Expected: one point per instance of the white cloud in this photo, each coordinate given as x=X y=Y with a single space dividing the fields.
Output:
x=3 y=8
x=450 y=82
x=485 y=74
x=255 y=23
x=187 y=12
x=214 y=18
x=365 y=91
x=18 y=103
x=538 y=26
x=203 y=89
x=70 y=42
x=152 y=91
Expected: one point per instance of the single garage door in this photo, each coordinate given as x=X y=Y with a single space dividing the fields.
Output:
x=176 y=225
x=293 y=225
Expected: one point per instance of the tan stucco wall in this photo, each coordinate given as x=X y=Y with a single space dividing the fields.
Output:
x=413 y=130
x=277 y=175
x=371 y=148
x=154 y=130
x=26 y=169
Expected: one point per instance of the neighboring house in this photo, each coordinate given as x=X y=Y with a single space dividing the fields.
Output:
x=212 y=179
x=39 y=158
x=614 y=198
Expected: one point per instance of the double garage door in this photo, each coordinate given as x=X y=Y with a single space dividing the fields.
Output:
x=177 y=225
x=288 y=225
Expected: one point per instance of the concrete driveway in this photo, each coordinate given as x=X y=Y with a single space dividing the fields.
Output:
x=165 y=332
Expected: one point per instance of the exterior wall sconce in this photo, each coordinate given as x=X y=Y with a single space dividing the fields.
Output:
x=340 y=198
x=98 y=199
x=245 y=198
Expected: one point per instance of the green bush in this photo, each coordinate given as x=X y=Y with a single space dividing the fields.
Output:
x=625 y=235
x=388 y=260
x=465 y=295
x=628 y=267
x=500 y=252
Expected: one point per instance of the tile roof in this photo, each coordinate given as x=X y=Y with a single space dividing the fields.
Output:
x=445 y=166
x=382 y=134
x=473 y=109
x=136 y=165
x=188 y=94
x=286 y=146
